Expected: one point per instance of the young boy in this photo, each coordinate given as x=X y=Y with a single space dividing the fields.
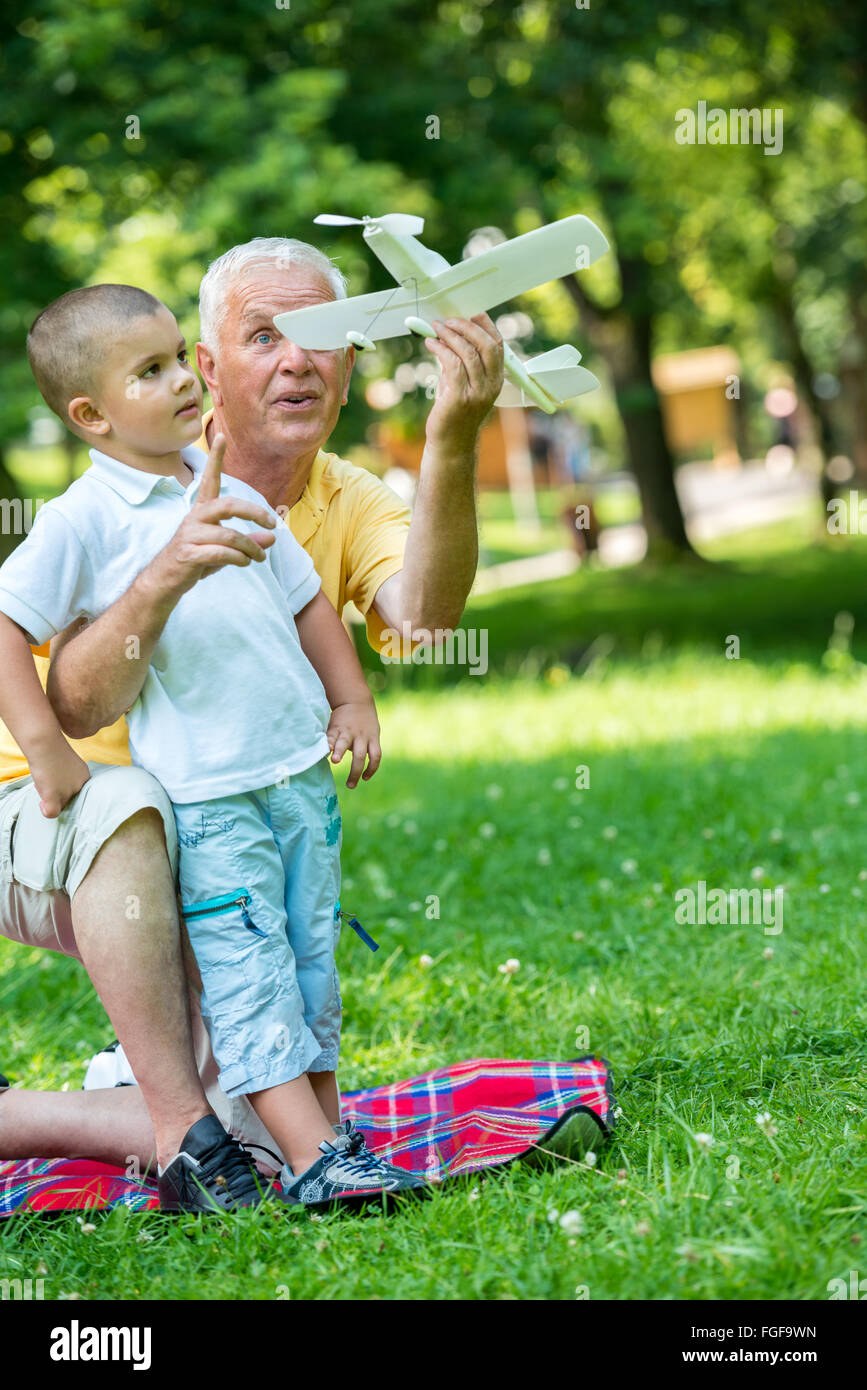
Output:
x=252 y=682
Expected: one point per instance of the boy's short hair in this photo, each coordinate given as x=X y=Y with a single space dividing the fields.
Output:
x=67 y=341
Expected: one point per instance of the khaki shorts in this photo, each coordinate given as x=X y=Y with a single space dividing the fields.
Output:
x=42 y=865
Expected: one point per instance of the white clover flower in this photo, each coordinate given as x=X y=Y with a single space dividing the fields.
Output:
x=487 y=830
x=852 y=798
x=410 y=827
x=577 y=936
x=605 y=885
x=657 y=888
x=143 y=1236
x=642 y=1228
x=510 y=966
x=862 y=874
x=629 y=866
x=776 y=835
x=425 y=962
x=543 y=857
x=704 y=1142
x=574 y=822
x=87 y=1227
x=415 y=907
x=473 y=1195
x=757 y=872
x=590 y=1159
x=553 y=1215
x=824 y=887
x=572 y=1222
x=766 y=1124
x=618 y=1113
x=768 y=953
x=708 y=833
x=610 y=832
x=494 y=792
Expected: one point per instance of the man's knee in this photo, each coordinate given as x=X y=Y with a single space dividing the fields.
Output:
x=131 y=817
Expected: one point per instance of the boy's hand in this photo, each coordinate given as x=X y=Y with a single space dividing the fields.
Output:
x=355 y=726
x=201 y=545
x=58 y=779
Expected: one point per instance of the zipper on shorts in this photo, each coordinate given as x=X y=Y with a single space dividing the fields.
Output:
x=356 y=926
x=214 y=906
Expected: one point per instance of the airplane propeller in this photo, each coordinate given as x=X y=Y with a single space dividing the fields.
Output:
x=399 y=223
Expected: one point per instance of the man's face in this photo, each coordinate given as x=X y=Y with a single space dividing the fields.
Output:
x=273 y=395
x=147 y=390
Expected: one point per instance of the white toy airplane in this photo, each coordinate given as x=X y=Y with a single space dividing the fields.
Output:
x=428 y=288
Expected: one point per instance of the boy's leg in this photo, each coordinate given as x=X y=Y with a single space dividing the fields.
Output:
x=231 y=880
x=325 y=1089
x=308 y=828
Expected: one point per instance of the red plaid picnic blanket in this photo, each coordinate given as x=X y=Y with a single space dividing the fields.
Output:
x=454 y=1120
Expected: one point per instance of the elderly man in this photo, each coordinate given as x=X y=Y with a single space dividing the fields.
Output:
x=96 y=883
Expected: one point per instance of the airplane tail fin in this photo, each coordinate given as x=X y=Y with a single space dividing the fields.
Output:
x=557 y=372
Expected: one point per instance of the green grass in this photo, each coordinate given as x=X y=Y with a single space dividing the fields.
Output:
x=694 y=762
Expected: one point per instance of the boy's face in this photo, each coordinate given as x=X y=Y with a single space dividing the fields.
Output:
x=147 y=396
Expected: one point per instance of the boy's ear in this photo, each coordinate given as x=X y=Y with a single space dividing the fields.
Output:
x=208 y=368
x=86 y=416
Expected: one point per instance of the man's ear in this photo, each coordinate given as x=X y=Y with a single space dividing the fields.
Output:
x=208 y=368
x=86 y=416
x=348 y=363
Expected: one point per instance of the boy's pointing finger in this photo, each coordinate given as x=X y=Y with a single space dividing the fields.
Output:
x=209 y=487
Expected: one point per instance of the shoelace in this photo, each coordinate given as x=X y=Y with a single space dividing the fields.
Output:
x=230 y=1165
x=358 y=1155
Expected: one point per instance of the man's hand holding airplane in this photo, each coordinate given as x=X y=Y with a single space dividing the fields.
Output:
x=470 y=354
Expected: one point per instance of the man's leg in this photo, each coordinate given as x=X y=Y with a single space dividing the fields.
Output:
x=124 y=915
x=111 y=1126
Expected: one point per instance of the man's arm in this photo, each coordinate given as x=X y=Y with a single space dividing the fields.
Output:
x=93 y=678
x=442 y=548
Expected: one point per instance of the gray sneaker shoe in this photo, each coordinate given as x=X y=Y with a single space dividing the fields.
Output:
x=348 y=1174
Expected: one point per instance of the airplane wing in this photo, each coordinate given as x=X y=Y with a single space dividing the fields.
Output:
x=489 y=279
x=323 y=327
x=469 y=288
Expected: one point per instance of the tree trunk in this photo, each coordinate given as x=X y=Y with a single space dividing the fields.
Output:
x=650 y=458
x=624 y=338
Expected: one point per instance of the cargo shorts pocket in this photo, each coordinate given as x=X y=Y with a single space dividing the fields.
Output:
x=7 y=840
x=239 y=969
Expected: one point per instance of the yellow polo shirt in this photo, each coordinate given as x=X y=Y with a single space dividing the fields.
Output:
x=354 y=529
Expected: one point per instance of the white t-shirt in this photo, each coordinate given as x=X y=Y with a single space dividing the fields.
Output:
x=230 y=702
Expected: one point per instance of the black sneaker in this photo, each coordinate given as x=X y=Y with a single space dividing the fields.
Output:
x=212 y=1172
x=348 y=1174
x=4 y=1084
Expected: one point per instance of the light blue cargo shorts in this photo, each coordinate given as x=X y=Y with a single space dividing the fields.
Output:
x=260 y=887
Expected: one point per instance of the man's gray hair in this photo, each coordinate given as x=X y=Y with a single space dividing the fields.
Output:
x=261 y=251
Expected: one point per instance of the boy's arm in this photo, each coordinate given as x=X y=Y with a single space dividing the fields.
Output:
x=353 y=724
x=57 y=770
x=92 y=680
